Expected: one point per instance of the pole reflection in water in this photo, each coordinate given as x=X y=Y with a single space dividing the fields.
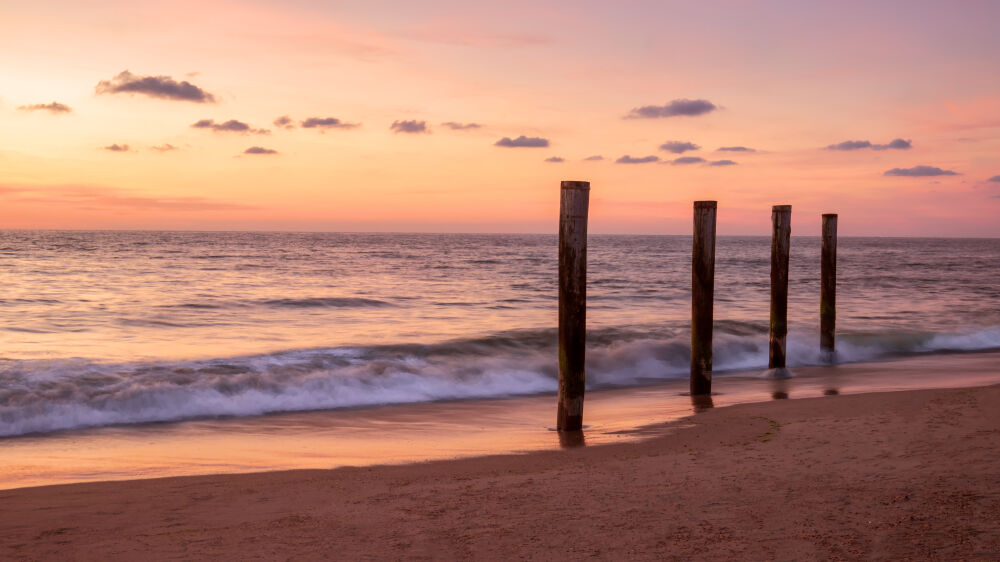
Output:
x=831 y=381
x=779 y=389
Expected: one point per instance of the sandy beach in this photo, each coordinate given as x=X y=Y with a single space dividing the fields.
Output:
x=306 y=280
x=891 y=475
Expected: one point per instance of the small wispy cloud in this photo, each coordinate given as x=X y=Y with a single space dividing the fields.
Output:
x=326 y=123
x=284 y=122
x=642 y=160
x=896 y=144
x=523 y=142
x=165 y=147
x=555 y=159
x=414 y=127
x=118 y=148
x=995 y=179
x=735 y=149
x=460 y=126
x=231 y=126
x=676 y=108
x=54 y=107
x=687 y=160
x=919 y=172
x=678 y=147
x=259 y=150
x=722 y=163
x=850 y=145
x=593 y=158
x=161 y=87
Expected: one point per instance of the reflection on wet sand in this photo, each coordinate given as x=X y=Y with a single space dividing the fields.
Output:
x=571 y=439
x=436 y=430
x=831 y=381
x=701 y=402
x=779 y=389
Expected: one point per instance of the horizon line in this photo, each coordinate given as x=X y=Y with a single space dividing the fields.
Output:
x=438 y=233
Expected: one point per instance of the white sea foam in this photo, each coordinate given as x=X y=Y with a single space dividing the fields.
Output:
x=51 y=395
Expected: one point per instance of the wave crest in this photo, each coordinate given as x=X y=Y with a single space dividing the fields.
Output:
x=51 y=395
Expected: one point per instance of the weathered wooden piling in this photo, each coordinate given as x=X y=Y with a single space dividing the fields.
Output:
x=572 y=439
x=574 y=203
x=701 y=402
x=781 y=221
x=828 y=286
x=702 y=296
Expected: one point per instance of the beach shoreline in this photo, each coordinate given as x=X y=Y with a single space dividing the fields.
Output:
x=408 y=433
x=881 y=475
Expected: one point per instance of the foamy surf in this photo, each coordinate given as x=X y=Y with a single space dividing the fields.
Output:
x=40 y=396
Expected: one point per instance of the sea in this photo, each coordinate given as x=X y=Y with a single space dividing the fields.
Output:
x=138 y=329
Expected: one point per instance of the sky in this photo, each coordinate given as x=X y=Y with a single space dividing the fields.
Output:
x=441 y=116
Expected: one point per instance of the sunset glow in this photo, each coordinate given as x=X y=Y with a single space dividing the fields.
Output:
x=392 y=116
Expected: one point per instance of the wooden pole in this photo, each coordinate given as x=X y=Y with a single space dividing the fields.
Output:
x=574 y=204
x=828 y=286
x=571 y=439
x=701 y=402
x=781 y=220
x=702 y=296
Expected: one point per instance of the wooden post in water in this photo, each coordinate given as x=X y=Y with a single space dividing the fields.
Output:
x=828 y=287
x=781 y=219
x=702 y=296
x=573 y=207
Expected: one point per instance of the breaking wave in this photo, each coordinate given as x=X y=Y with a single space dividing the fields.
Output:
x=38 y=396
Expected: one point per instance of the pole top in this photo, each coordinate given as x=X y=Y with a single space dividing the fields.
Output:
x=584 y=185
x=782 y=208
x=706 y=204
x=829 y=215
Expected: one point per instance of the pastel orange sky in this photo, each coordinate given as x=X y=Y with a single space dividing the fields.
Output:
x=788 y=79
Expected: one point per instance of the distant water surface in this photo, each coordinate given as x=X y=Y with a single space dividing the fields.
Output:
x=102 y=328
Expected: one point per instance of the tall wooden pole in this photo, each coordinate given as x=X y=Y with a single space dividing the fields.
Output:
x=828 y=286
x=702 y=296
x=573 y=208
x=781 y=219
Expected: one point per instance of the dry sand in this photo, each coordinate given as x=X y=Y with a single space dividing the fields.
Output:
x=901 y=475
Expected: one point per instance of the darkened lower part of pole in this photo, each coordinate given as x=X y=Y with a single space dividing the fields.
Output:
x=828 y=285
x=702 y=296
x=781 y=219
x=573 y=207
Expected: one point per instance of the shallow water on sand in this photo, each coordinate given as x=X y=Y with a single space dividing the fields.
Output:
x=442 y=430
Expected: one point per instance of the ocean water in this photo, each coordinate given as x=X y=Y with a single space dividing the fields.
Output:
x=105 y=328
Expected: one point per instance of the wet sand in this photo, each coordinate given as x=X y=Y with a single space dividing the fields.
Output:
x=434 y=431
x=888 y=475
